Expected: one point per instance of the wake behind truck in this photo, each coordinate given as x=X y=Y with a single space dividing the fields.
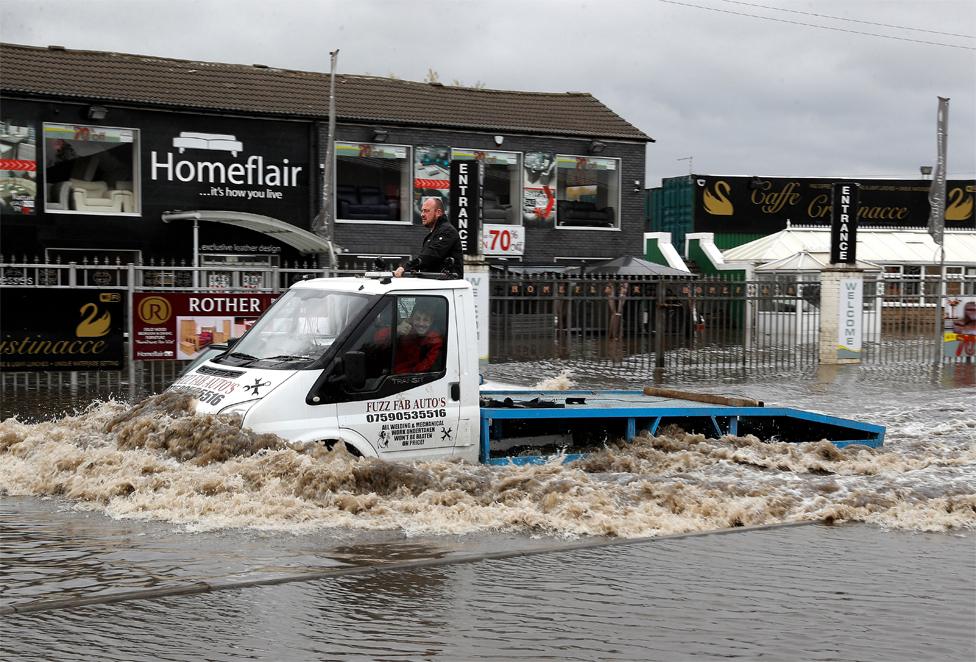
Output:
x=389 y=366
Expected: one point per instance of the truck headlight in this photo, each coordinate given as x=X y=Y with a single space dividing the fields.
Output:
x=239 y=409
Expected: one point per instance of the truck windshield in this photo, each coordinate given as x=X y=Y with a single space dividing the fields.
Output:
x=298 y=329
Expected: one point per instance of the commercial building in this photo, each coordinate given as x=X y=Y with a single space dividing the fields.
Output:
x=100 y=150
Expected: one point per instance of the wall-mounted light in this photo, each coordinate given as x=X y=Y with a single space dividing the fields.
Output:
x=925 y=170
x=637 y=186
x=499 y=140
x=596 y=147
x=380 y=135
x=97 y=112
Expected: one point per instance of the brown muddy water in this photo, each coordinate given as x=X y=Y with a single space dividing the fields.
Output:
x=154 y=534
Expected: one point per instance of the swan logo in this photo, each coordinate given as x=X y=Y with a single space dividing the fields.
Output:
x=91 y=325
x=960 y=205
x=718 y=203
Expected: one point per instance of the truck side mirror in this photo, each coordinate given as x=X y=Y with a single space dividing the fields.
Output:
x=354 y=369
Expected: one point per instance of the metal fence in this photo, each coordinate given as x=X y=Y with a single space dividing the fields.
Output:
x=682 y=324
x=595 y=325
x=709 y=325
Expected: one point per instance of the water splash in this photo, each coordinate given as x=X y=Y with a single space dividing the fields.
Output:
x=158 y=461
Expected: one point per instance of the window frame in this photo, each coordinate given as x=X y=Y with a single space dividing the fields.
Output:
x=136 y=171
x=516 y=188
x=408 y=159
x=618 y=221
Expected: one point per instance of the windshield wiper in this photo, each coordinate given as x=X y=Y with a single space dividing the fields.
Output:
x=282 y=358
x=242 y=356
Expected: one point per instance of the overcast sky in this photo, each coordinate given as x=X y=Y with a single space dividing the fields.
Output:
x=745 y=88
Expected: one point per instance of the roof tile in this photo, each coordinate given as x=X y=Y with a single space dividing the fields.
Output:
x=126 y=78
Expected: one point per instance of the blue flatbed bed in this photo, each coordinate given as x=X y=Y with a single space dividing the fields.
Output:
x=523 y=427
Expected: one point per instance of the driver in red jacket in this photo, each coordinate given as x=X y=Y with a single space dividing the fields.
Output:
x=420 y=346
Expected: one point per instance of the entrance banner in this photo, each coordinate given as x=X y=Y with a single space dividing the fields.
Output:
x=56 y=329
x=465 y=186
x=843 y=225
x=168 y=326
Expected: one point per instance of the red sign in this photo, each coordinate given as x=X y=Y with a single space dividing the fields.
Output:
x=169 y=326
x=18 y=164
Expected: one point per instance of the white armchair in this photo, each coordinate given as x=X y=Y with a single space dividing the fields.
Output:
x=93 y=196
x=97 y=197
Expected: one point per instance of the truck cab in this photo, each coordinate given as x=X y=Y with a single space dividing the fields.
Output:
x=388 y=366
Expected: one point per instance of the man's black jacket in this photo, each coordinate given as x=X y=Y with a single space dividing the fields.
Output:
x=440 y=243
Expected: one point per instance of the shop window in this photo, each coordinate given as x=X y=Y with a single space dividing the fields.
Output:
x=372 y=182
x=18 y=176
x=91 y=169
x=587 y=192
x=501 y=184
x=431 y=177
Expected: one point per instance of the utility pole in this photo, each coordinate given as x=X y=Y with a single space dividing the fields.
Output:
x=325 y=224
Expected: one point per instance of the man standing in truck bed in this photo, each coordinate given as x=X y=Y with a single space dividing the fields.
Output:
x=441 y=243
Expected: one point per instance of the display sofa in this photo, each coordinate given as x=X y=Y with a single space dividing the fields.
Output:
x=584 y=214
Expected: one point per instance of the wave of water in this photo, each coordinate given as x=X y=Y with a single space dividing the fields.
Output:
x=158 y=461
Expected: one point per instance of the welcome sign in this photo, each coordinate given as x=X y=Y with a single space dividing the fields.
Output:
x=850 y=318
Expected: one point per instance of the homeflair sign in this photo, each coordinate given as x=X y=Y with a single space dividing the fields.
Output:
x=178 y=326
x=464 y=203
x=764 y=205
x=235 y=164
x=843 y=225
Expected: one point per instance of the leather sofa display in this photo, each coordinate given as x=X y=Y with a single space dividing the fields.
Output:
x=494 y=211
x=584 y=214
x=365 y=203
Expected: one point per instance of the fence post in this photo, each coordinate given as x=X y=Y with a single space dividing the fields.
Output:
x=659 y=326
x=130 y=291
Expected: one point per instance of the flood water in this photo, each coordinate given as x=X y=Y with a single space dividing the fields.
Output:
x=157 y=535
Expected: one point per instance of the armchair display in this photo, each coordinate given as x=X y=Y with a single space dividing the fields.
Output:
x=98 y=197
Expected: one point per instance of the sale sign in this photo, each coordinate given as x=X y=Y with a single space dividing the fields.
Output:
x=169 y=326
x=503 y=239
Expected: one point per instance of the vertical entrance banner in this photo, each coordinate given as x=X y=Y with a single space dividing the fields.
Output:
x=464 y=204
x=850 y=318
x=843 y=227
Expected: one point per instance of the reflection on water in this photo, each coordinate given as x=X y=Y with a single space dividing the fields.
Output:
x=783 y=594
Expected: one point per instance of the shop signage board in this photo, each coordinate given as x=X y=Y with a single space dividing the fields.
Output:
x=501 y=240
x=765 y=205
x=228 y=164
x=168 y=326
x=465 y=195
x=60 y=329
x=843 y=224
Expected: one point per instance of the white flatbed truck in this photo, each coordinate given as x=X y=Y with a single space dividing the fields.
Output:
x=327 y=362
